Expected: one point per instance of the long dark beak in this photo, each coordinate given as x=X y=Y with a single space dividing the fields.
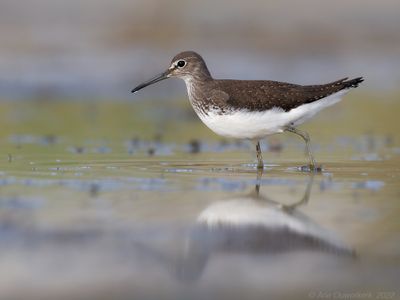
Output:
x=157 y=78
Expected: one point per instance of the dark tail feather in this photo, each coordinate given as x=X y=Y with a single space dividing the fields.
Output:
x=352 y=83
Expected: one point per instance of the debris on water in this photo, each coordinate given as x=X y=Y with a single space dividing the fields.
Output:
x=10 y=158
x=77 y=149
x=151 y=151
x=194 y=146
x=307 y=168
x=156 y=146
x=254 y=166
x=54 y=169
x=80 y=149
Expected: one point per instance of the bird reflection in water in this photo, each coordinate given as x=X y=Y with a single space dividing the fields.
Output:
x=253 y=224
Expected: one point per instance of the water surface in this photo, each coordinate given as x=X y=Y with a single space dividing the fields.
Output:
x=103 y=201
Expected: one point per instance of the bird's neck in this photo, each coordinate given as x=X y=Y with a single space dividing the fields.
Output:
x=195 y=89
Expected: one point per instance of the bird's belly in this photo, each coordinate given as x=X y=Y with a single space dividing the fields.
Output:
x=246 y=125
x=243 y=124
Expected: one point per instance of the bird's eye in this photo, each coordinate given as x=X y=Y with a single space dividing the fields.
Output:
x=181 y=63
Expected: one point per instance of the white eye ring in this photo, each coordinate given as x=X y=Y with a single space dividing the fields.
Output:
x=180 y=63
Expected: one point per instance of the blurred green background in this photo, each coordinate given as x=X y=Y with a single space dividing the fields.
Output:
x=96 y=51
x=89 y=49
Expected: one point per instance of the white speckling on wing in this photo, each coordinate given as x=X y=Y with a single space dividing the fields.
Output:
x=246 y=124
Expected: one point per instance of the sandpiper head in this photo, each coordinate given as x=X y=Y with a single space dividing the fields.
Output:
x=187 y=65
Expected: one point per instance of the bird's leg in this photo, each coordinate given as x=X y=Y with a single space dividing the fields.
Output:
x=290 y=208
x=260 y=164
x=258 y=182
x=306 y=138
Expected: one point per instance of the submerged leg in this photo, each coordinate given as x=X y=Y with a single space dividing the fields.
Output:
x=260 y=164
x=258 y=182
x=306 y=138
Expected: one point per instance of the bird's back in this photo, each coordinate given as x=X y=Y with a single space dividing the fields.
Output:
x=261 y=95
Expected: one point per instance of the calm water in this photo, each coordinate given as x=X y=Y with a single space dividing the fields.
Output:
x=101 y=201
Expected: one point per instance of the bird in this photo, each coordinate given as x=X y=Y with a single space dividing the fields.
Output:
x=252 y=109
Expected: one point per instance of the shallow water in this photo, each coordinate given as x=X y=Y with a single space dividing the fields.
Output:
x=97 y=211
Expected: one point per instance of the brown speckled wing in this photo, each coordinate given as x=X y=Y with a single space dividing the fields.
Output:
x=259 y=95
